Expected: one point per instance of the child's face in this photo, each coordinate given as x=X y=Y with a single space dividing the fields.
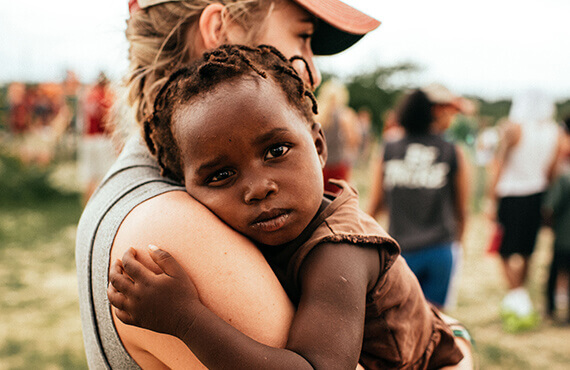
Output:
x=252 y=159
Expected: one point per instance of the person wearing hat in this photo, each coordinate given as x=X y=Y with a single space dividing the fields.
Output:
x=136 y=206
x=423 y=182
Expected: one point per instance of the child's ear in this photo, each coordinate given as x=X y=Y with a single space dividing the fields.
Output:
x=320 y=142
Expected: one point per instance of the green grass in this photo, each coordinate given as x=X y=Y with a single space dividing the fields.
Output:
x=39 y=312
x=25 y=356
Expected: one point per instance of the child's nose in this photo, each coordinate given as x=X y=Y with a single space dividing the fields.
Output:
x=258 y=190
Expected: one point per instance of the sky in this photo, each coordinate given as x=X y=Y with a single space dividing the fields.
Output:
x=487 y=48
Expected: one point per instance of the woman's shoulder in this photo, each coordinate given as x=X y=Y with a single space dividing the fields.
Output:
x=173 y=208
x=173 y=220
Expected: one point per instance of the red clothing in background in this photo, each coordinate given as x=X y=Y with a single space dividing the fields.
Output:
x=97 y=105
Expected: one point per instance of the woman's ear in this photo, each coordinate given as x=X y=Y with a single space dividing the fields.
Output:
x=211 y=25
x=320 y=142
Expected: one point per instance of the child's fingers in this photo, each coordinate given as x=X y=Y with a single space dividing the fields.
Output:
x=119 y=280
x=136 y=270
x=124 y=317
x=116 y=298
x=130 y=254
x=165 y=261
x=117 y=268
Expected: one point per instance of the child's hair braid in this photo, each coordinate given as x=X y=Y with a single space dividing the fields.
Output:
x=219 y=65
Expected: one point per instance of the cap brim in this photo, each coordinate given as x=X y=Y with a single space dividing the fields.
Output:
x=339 y=26
x=328 y=40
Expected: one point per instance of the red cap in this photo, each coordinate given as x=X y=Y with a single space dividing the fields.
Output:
x=340 y=24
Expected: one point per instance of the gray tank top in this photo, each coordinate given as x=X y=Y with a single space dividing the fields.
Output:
x=134 y=178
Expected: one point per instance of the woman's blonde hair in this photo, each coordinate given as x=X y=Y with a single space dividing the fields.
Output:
x=332 y=97
x=158 y=38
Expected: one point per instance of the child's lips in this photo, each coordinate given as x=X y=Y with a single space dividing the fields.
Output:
x=271 y=220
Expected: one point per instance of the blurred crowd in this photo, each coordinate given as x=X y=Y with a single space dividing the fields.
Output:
x=47 y=119
x=423 y=179
x=40 y=114
x=518 y=174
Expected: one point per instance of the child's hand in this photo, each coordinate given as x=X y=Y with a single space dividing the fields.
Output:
x=167 y=302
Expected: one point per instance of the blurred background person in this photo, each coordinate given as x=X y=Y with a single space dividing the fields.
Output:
x=71 y=90
x=47 y=116
x=556 y=211
x=96 y=153
x=364 y=120
x=564 y=159
x=342 y=133
x=486 y=143
x=423 y=181
x=392 y=130
x=521 y=171
x=18 y=106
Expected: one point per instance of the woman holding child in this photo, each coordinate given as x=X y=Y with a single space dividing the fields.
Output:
x=136 y=206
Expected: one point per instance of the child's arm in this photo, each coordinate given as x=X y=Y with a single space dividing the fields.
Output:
x=168 y=303
x=327 y=329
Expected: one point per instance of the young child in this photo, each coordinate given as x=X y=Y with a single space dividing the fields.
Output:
x=237 y=129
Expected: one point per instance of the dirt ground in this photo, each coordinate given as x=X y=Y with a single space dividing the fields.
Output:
x=481 y=289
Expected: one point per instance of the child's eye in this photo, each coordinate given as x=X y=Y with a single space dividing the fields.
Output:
x=219 y=176
x=276 y=151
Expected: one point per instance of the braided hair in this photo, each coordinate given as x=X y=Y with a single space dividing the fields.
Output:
x=220 y=65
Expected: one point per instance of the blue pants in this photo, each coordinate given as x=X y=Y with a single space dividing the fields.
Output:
x=434 y=267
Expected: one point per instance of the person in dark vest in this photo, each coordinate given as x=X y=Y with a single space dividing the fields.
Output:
x=422 y=180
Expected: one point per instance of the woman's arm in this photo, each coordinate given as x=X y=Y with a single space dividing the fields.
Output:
x=327 y=329
x=231 y=275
